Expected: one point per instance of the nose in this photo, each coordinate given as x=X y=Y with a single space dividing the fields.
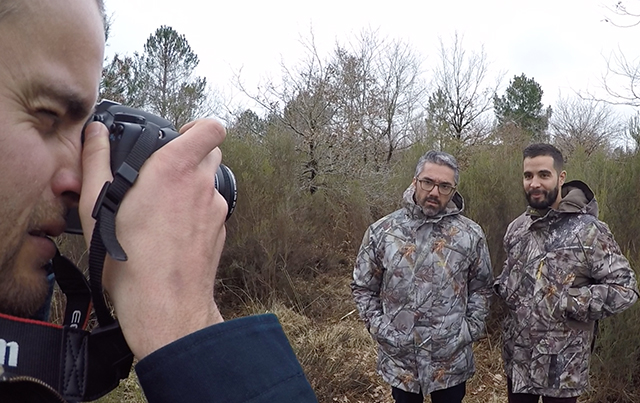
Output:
x=534 y=183
x=66 y=186
x=435 y=191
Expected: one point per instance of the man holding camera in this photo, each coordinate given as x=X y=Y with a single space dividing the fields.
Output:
x=422 y=282
x=51 y=55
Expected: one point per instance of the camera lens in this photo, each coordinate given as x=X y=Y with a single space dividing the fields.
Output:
x=225 y=183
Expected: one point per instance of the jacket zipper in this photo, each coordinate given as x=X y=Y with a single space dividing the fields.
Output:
x=39 y=382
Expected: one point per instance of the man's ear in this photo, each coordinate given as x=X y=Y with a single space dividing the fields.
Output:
x=562 y=177
x=414 y=183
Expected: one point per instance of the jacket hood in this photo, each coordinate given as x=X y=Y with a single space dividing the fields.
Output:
x=577 y=197
x=455 y=206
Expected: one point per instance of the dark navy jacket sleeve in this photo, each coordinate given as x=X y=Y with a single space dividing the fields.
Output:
x=245 y=360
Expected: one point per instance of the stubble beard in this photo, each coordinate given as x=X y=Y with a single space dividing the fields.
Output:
x=431 y=211
x=23 y=289
x=21 y=295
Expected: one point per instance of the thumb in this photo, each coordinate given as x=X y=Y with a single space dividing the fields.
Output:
x=96 y=170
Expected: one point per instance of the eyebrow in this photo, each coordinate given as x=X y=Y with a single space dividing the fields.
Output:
x=546 y=171
x=434 y=181
x=75 y=106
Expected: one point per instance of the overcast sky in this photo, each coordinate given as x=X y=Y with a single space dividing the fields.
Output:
x=562 y=44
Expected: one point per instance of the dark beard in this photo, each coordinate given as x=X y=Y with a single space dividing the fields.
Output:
x=550 y=198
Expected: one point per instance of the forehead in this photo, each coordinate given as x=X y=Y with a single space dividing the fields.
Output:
x=539 y=163
x=53 y=16
x=52 y=41
x=436 y=172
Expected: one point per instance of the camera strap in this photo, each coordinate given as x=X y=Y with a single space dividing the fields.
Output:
x=103 y=239
x=70 y=361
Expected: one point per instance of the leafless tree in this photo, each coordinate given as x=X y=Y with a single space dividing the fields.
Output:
x=302 y=104
x=402 y=93
x=584 y=124
x=621 y=80
x=350 y=111
x=462 y=97
x=379 y=92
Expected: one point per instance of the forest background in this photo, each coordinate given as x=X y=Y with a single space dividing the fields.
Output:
x=330 y=147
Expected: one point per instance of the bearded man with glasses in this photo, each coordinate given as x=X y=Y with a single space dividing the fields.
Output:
x=422 y=284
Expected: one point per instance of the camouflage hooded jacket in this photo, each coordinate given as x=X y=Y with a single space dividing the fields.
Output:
x=422 y=286
x=563 y=272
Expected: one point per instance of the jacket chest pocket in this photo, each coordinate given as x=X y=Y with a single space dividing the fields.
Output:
x=559 y=365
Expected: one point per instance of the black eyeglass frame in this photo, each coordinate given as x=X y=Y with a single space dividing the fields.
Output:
x=426 y=182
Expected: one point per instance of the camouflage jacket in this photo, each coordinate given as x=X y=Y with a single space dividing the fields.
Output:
x=422 y=286
x=563 y=271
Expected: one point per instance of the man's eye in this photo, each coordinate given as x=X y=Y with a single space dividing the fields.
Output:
x=445 y=187
x=427 y=182
x=49 y=119
x=48 y=113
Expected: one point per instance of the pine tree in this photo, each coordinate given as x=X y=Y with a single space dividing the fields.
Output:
x=522 y=106
x=160 y=80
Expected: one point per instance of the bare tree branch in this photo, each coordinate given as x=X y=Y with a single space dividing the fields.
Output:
x=622 y=11
x=585 y=124
x=461 y=97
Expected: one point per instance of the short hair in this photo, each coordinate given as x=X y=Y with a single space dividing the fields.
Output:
x=439 y=158
x=543 y=149
x=103 y=14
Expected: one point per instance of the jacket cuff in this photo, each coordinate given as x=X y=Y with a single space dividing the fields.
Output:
x=241 y=360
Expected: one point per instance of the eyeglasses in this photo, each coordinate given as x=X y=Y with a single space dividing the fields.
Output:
x=444 y=189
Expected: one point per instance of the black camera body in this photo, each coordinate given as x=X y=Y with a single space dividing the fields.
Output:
x=125 y=125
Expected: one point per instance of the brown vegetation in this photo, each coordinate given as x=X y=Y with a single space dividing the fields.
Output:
x=291 y=252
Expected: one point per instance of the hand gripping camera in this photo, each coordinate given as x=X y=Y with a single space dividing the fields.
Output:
x=68 y=360
x=125 y=126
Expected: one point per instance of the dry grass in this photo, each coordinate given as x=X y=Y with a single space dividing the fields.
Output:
x=339 y=356
x=489 y=383
x=337 y=353
x=129 y=391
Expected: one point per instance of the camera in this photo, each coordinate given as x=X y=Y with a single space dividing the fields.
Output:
x=125 y=124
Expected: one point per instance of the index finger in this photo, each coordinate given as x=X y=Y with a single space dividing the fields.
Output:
x=96 y=170
x=197 y=140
